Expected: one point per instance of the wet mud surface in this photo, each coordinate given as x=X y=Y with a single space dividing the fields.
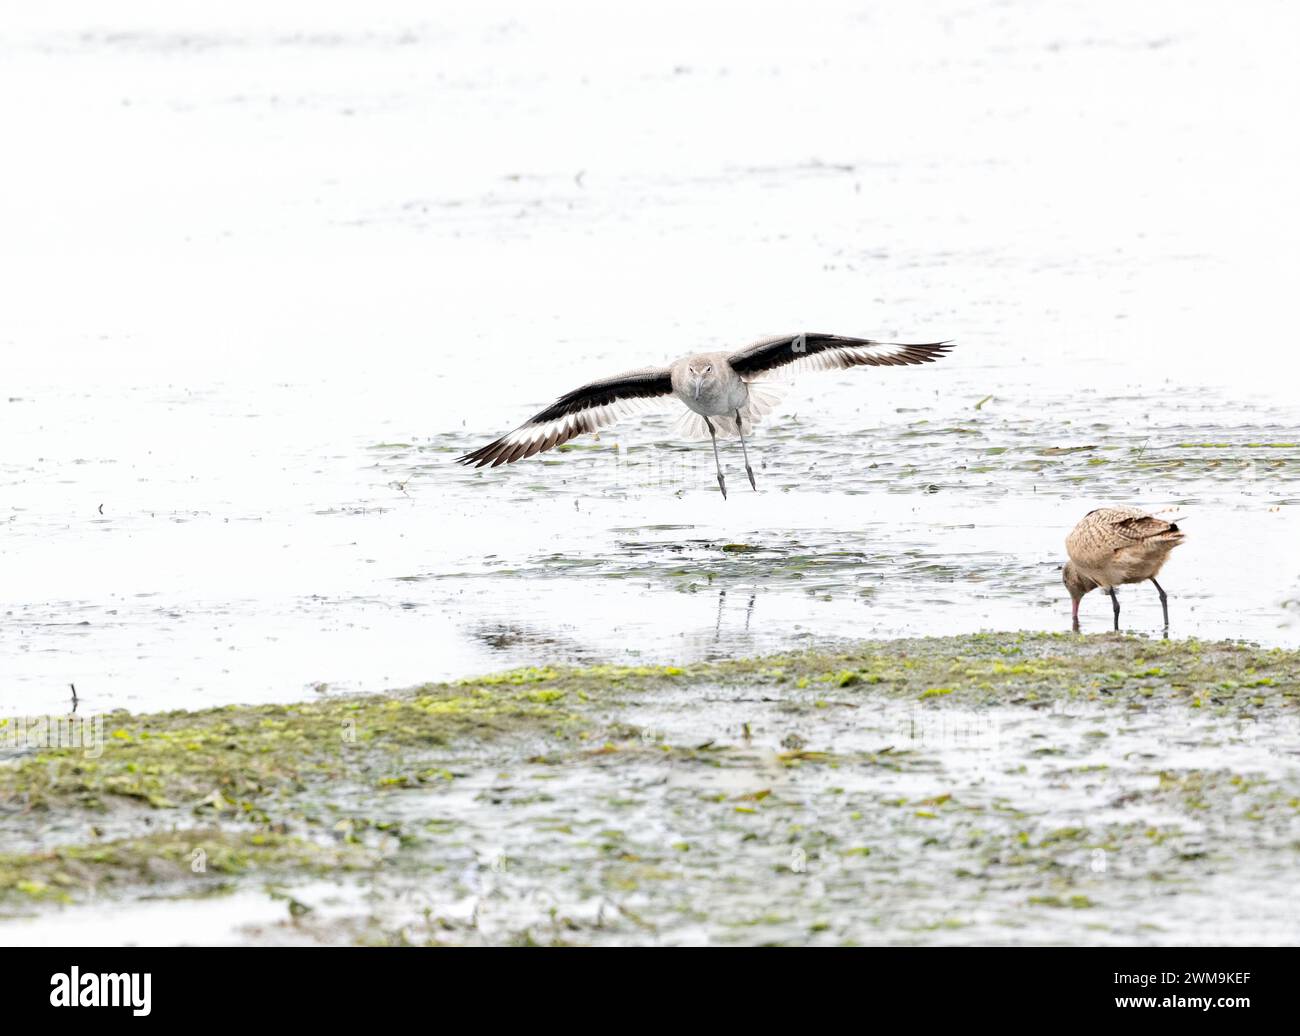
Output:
x=983 y=789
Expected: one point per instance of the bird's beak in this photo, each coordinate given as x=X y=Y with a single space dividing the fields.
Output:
x=698 y=383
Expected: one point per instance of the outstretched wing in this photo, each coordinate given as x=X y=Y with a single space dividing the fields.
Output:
x=791 y=353
x=582 y=410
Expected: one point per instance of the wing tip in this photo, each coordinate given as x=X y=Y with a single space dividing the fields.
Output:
x=483 y=455
x=921 y=352
x=507 y=450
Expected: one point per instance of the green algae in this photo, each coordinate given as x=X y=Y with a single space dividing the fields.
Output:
x=246 y=753
x=249 y=753
x=194 y=860
x=399 y=786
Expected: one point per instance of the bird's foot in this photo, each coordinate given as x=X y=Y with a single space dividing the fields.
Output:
x=750 y=472
x=722 y=484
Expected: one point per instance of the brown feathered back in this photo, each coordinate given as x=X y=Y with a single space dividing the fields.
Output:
x=1116 y=545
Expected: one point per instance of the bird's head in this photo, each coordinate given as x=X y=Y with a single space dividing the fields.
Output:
x=1077 y=583
x=700 y=372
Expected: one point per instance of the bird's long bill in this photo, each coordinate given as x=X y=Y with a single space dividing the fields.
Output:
x=698 y=385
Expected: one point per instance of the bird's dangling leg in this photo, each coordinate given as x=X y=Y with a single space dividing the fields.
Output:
x=1164 y=600
x=748 y=470
x=1114 y=600
x=722 y=482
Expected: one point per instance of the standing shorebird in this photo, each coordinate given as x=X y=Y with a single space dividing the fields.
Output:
x=1112 y=546
x=718 y=390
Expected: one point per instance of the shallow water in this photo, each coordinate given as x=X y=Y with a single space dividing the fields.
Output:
x=329 y=252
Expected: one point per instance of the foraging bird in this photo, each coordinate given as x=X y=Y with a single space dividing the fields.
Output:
x=719 y=391
x=1116 y=545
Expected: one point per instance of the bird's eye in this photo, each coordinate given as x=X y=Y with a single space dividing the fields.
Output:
x=708 y=370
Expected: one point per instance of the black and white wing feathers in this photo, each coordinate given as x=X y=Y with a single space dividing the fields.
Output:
x=789 y=354
x=583 y=410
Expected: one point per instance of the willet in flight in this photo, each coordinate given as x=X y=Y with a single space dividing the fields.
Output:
x=720 y=391
x=1112 y=546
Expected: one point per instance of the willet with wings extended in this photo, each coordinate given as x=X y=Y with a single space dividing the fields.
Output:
x=720 y=390
x=1112 y=546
